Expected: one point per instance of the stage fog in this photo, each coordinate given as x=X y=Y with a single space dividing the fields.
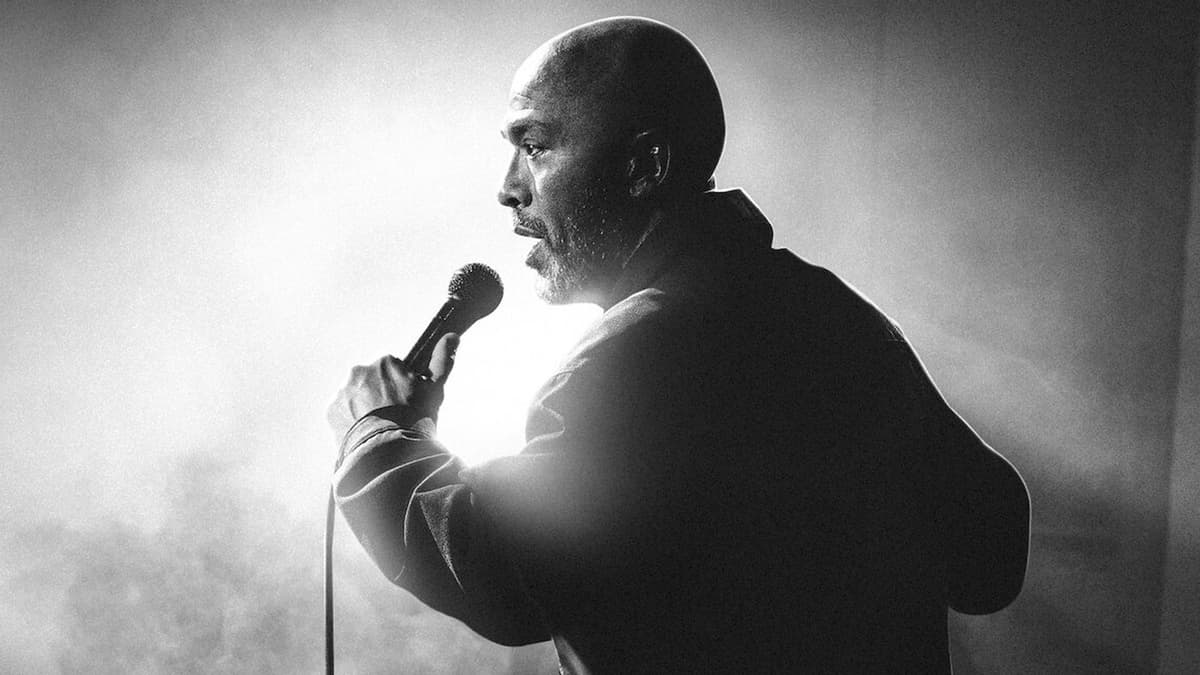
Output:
x=210 y=212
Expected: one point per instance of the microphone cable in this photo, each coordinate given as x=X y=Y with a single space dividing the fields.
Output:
x=329 y=520
x=475 y=291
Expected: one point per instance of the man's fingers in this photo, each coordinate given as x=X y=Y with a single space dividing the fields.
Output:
x=442 y=361
x=389 y=383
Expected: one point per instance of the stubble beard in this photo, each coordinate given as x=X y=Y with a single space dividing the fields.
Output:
x=594 y=245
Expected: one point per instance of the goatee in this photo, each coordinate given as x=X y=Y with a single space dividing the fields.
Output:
x=591 y=248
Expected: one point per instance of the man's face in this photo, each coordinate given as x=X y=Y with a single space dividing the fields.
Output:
x=565 y=186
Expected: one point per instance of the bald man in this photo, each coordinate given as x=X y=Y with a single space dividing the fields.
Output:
x=742 y=467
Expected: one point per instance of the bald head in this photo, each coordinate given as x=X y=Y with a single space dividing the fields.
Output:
x=612 y=125
x=640 y=75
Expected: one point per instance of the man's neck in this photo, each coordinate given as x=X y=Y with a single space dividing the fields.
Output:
x=719 y=222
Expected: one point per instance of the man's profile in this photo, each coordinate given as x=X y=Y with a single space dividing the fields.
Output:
x=741 y=467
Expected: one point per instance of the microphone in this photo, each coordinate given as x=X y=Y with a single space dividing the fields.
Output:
x=475 y=291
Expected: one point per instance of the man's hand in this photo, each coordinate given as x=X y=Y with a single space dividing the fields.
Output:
x=389 y=383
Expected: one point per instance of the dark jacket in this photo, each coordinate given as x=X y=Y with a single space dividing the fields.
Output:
x=742 y=467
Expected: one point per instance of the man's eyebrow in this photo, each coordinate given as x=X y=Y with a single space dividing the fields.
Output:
x=516 y=129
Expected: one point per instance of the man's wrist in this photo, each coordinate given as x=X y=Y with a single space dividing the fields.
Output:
x=386 y=420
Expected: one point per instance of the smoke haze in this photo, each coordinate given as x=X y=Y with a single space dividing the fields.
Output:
x=210 y=211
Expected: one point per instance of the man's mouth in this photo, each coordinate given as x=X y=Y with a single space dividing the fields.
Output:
x=525 y=229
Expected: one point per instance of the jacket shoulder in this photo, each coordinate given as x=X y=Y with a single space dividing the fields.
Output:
x=650 y=318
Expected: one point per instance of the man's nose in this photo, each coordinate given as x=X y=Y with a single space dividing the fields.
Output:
x=514 y=191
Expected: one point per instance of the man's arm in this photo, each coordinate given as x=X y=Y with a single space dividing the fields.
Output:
x=983 y=506
x=987 y=520
x=400 y=492
x=495 y=545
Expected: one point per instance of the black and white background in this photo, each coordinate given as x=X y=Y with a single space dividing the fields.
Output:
x=210 y=211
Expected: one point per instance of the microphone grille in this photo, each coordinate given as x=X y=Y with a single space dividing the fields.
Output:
x=477 y=288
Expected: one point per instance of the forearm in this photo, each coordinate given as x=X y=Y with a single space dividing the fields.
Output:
x=400 y=493
x=382 y=465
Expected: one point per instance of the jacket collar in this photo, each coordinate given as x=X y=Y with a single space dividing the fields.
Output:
x=717 y=221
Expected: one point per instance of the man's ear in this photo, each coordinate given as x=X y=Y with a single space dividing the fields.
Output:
x=649 y=162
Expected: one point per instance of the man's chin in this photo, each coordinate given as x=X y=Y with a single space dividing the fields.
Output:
x=550 y=285
x=561 y=283
x=554 y=287
x=553 y=290
x=550 y=294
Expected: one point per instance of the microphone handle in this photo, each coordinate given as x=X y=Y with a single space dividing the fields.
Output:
x=443 y=322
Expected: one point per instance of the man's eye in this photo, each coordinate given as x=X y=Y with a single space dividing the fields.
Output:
x=531 y=150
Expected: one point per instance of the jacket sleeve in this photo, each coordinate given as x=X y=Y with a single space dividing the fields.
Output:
x=592 y=489
x=501 y=545
x=401 y=495
x=987 y=516
x=984 y=510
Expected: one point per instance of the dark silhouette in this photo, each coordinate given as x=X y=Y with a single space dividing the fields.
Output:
x=742 y=467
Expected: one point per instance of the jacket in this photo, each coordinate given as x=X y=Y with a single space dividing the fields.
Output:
x=741 y=467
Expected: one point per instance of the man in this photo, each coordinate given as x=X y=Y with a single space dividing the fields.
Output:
x=742 y=467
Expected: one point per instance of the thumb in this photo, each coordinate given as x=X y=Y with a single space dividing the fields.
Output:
x=442 y=361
